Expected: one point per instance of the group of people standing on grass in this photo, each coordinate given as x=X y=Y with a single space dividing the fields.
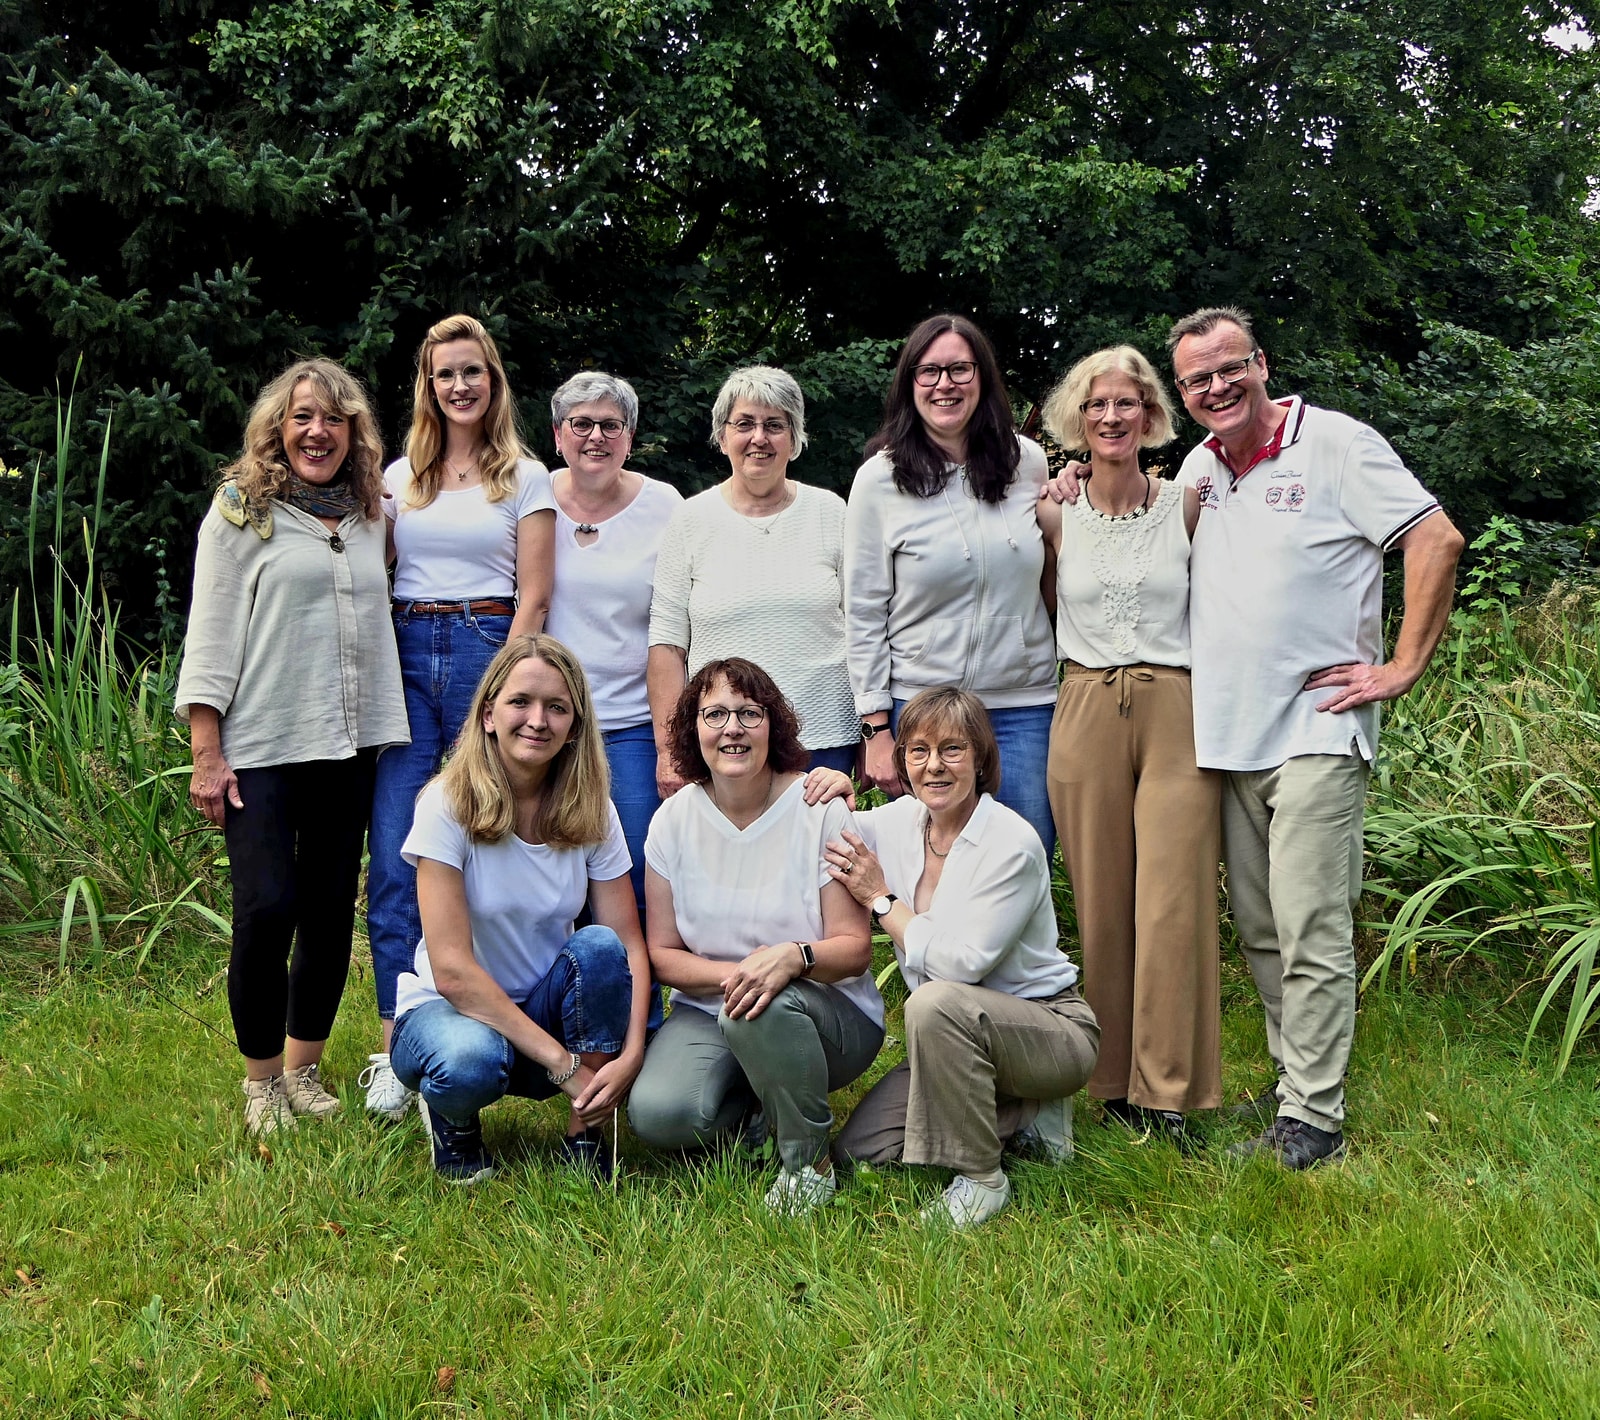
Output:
x=584 y=699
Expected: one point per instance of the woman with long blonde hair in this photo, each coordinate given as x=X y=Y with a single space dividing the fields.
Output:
x=508 y=844
x=472 y=536
x=290 y=687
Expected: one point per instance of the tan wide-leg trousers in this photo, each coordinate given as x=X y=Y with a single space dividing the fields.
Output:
x=978 y=1063
x=1140 y=834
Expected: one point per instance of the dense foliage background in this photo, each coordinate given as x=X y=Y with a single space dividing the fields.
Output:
x=192 y=191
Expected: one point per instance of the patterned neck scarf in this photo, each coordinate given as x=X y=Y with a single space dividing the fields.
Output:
x=322 y=500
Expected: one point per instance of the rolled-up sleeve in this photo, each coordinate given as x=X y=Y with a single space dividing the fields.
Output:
x=219 y=619
x=965 y=938
x=868 y=587
x=669 y=597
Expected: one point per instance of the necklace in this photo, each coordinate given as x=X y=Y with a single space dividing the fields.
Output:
x=927 y=839
x=461 y=473
x=1138 y=512
x=763 y=523
x=587 y=527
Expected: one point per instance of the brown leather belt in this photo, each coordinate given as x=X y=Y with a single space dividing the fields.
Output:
x=490 y=606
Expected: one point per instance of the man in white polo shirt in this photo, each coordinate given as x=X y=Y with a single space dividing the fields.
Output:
x=1297 y=507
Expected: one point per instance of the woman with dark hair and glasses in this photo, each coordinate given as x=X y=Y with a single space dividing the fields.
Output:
x=1140 y=824
x=755 y=567
x=997 y=1037
x=471 y=533
x=609 y=522
x=774 y=1004
x=947 y=579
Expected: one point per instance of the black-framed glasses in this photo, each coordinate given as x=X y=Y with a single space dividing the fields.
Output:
x=1124 y=408
x=1229 y=374
x=961 y=372
x=467 y=374
x=714 y=717
x=583 y=426
x=772 y=428
x=952 y=753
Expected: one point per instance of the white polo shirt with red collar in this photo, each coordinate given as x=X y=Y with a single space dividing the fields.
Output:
x=1286 y=578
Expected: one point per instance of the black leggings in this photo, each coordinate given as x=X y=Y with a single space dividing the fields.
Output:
x=295 y=860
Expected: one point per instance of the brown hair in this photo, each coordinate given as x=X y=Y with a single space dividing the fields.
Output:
x=919 y=464
x=576 y=808
x=785 y=753
x=262 y=469
x=959 y=711
x=503 y=444
x=1207 y=319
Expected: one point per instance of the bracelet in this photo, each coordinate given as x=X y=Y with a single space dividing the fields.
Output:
x=556 y=1079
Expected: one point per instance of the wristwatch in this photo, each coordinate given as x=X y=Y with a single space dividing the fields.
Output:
x=808 y=956
x=881 y=906
x=868 y=729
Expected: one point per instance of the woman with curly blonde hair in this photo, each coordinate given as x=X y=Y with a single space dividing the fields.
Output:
x=509 y=843
x=1139 y=823
x=472 y=534
x=290 y=686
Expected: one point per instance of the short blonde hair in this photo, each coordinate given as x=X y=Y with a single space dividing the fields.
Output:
x=1065 y=420
x=503 y=444
x=262 y=469
x=576 y=809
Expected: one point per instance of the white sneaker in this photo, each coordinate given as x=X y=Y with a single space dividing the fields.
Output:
x=1050 y=1135
x=795 y=1194
x=966 y=1203
x=266 y=1109
x=386 y=1096
x=304 y=1090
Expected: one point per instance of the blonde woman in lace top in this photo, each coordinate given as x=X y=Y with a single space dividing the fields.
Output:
x=1138 y=822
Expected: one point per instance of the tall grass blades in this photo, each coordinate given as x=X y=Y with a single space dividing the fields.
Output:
x=98 y=851
x=1482 y=832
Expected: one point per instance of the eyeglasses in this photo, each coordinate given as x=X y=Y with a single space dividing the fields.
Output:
x=1231 y=373
x=1098 y=408
x=716 y=716
x=963 y=372
x=772 y=428
x=467 y=374
x=952 y=753
x=583 y=426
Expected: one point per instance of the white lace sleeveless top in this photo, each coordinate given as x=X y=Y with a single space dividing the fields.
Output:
x=1122 y=584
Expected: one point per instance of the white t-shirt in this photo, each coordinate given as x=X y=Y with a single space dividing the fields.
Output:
x=601 y=605
x=522 y=897
x=461 y=547
x=1286 y=578
x=768 y=589
x=1122 y=584
x=734 y=890
x=991 y=921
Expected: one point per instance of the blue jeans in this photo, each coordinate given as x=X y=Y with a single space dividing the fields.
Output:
x=631 y=753
x=442 y=659
x=840 y=757
x=460 y=1064
x=1023 y=735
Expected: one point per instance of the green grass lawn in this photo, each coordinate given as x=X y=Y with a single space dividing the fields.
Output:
x=153 y=1261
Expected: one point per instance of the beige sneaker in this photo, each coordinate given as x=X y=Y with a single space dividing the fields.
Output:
x=266 y=1107
x=306 y=1095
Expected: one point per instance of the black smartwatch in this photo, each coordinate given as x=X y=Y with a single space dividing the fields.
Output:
x=868 y=729
x=808 y=956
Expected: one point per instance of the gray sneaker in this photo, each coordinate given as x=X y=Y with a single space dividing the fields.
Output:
x=266 y=1108
x=966 y=1203
x=304 y=1090
x=1049 y=1137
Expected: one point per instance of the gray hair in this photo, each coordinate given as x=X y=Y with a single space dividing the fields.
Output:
x=1206 y=320
x=588 y=386
x=761 y=384
x=1065 y=420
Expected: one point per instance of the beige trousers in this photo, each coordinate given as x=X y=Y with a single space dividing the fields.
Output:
x=978 y=1062
x=1293 y=842
x=1140 y=836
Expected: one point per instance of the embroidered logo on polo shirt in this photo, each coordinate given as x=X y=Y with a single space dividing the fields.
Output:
x=1297 y=496
x=1274 y=497
x=1207 y=490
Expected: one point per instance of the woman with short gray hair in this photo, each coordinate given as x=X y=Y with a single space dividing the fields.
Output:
x=754 y=568
x=609 y=522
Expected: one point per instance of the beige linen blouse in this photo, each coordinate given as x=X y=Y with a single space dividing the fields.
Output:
x=291 y=641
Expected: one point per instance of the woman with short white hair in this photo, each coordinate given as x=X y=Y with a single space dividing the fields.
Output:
x=755 y=568
x=609 y=522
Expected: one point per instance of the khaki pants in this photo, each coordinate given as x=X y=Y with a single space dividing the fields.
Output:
x=702 y=1072
x=1140 y=834
x=978 y=1062
x=1292 y=839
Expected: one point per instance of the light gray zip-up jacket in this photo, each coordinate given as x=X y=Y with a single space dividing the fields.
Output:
x=945 y=590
